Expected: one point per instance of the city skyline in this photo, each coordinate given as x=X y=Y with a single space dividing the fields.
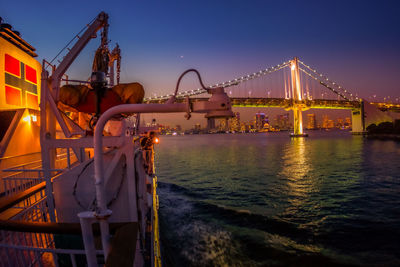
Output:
x=246 y=114
x=260 y=120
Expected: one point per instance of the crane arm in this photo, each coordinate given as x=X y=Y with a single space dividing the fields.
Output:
x=100 y=22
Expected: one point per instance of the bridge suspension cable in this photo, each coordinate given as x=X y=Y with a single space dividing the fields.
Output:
x=326 y=82
x=229 y=83
x=312 y=73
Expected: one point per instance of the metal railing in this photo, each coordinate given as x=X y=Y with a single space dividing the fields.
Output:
x=37 y=249
x=29 y=174
x=15 y=246
x=32 y=247
x=14 y=184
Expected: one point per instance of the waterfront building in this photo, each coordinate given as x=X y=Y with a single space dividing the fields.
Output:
x=340 y=123
x=347 y=123
x=234 y=123
x=331 y=124
x=223 y=125
x=260 y=119
x=243 y=127
x=312 y=122
x=282 y=122
x=325 y=121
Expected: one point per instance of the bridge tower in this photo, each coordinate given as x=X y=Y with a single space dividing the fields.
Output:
x=297 y=97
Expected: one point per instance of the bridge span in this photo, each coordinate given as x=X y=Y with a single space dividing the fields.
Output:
x=297 y=95
x=281 y=103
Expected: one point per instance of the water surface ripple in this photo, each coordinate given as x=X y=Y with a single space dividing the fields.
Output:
x=267 y=200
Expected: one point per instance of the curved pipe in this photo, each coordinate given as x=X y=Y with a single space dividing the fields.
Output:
x=183 y=74
x=102 y=213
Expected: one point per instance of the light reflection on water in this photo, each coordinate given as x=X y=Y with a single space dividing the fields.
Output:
x=295 y=170
x=279 y=200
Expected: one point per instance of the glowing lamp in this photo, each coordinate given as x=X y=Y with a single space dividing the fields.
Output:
x=27 y=118
x=293 y=67
x=156 y=140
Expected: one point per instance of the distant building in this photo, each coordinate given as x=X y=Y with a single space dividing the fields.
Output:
x=312 y=122
x=325 y=121
x=260 y=119
x=234 y=123
x=197 y=127
x=282 y=122
x=340 y=123
x=223 y=125
x=347 y=123
x=243 y=127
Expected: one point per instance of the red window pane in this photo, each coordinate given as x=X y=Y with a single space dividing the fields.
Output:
x=13 y=96
x=30 y=74
x=12 y=65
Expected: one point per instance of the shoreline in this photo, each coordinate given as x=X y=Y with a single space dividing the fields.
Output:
x=384 y=137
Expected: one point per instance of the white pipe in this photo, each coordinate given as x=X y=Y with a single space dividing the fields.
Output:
x=86 y=219
x=101 y=212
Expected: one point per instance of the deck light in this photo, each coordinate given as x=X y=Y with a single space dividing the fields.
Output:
x=27 y=118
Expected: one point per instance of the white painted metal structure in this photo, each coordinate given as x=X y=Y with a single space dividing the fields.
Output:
x=73 y=139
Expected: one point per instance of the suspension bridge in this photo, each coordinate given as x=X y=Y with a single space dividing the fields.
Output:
x=294 y=85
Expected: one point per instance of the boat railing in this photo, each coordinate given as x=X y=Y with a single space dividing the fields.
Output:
x=29 y=205
x=24 y=176
x=18 y=248
x=14 y=183
x=35 y=244
x=27 y=238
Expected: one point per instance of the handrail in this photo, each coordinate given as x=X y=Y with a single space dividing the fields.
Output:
x=31 y=170
x=23 y=155
x=32 y=162
x=8 y=202
x=56 y=228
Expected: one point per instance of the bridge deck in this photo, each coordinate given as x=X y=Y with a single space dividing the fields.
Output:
x=289 y=103
x=283 y=103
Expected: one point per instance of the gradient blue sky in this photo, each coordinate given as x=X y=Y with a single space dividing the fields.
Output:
x=355 y=43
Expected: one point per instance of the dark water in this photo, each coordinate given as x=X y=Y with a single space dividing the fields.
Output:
x=267 y=200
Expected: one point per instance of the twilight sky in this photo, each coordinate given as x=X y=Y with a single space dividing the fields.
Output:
x=355 y=43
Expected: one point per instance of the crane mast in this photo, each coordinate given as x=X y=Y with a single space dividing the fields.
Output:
x=50 y=115
x=100 y=22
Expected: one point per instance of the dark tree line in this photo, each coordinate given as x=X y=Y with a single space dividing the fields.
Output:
x=385 y=128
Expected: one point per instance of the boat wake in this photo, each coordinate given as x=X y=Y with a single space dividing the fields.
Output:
x=198 y=233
